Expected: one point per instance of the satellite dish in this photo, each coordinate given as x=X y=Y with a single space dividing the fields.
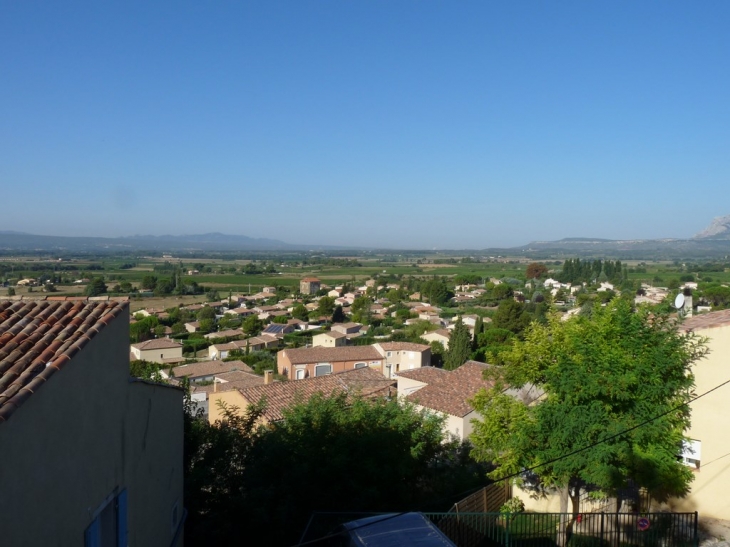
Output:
x=679 y=301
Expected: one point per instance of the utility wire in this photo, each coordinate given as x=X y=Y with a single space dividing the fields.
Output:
x=614 y=436
x=564 y=456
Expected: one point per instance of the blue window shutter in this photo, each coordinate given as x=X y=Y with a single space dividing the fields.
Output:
x=122 y=519
x=92 y=535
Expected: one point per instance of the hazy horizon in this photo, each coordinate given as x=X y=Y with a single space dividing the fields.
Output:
x=382 y=124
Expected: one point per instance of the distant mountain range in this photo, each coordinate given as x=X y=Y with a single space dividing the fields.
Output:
x=18 y=241
x=714 y=241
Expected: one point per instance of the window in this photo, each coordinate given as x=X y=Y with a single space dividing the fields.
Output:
x=109 y=527
x=322 y=370
x=360 y=365
x=300 y=374
x=691 y=453
x=390 y=353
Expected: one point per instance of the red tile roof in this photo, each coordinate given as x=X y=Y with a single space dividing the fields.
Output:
x=232 y=380
x=157 y=343
x=209 y=368
x=706 y=321
x=403 y=346
x=38 y=337
x=427 y=375
x=449 y=393
x=321 y=354
x=280 y=395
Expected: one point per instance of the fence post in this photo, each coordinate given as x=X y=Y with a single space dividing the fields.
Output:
x=697 y=538
x=506 y=529
x=602 y=518
x=486 y=507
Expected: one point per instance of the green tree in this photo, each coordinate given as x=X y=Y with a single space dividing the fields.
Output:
x=206 y=312
x=459 y=346
x=95 y=287
x=11 y=291
x=252 y=325
x=300 y=312
x=511 y=315
x=601 y=375
x=207 y=325
x=360 y=310
x=240 y=477
x=164 y=286
x=326 y=305
x=149 y=282
x=338 y=316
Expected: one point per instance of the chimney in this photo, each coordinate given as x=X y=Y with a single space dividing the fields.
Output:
x=687 y=302
x=215 y=385
x=268 y=376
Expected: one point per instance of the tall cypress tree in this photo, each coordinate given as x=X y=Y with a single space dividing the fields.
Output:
x=459 y=346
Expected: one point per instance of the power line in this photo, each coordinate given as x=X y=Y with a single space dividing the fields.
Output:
x=559 y=458
x=716 y=459
x=614 y=436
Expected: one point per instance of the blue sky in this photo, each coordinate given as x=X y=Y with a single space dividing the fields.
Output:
x=387 y=124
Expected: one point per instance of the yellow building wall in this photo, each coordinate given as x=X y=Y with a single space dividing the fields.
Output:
x=158 y=355
x=229 y=398
x=710 y=494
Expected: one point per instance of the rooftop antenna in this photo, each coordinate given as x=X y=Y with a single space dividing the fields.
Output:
x=679 y=304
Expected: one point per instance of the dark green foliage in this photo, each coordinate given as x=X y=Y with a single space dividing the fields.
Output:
x=141 y=329
x=300 y=312
x=360 y=310
x=716 y=295
x=602 y=374
x=252 y=325
x=330 y=453
x=512 y=316
x=459 y=346
x=164 y=286
x=149 y=282
x=338 y=316
x=437 y=354
x=206 y=312
x=326 y=305
x=95 y=287
x=436 y=291
x=140 y=368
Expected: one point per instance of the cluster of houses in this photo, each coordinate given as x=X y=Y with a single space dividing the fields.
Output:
x=124 y=434
x=333 y=364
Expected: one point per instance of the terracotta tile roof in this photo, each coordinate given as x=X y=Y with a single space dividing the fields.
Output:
x=450 y=393
x=427 y=375
x=209 y=368
x=157 y=343
x=311 y=279
x=233 y=380
x=37 y=338
x=280 y=395
x=321 y=354
x=335 y=334
x=403 y=346
x=706 y=321
x=229 y=333
x=346 y=326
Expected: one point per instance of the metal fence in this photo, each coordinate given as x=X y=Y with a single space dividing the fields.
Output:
x=543 y=529
x=549 y=529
